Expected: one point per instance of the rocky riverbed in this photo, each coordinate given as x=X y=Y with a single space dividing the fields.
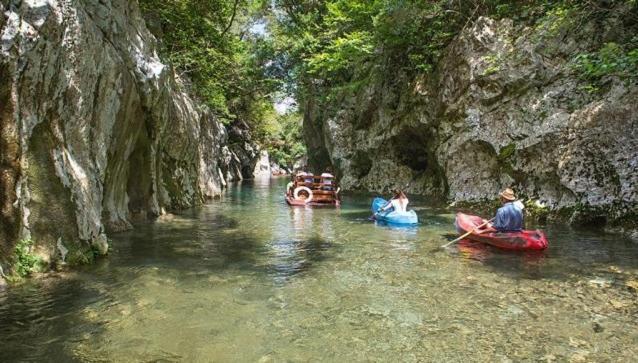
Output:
x=251 y=279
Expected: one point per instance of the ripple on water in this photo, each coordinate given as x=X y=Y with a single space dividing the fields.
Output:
x=250 y=279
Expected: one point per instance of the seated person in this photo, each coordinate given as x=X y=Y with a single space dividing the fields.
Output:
x=399 y=202
x=309 y=179
x=327 y=180
x=509 y=217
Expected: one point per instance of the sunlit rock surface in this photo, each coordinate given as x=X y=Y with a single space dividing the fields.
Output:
x=504 y=108
x=263 y=168
x=96 y=131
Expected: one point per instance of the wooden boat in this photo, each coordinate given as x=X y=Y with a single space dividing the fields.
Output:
x=312 y=190
x=523 y=240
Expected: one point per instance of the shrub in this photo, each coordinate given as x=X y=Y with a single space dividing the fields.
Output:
x=25 y=262
x=610 y=60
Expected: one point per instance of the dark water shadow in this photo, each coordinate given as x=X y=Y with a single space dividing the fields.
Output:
x=290 y=258
x=188 y=245
x=38 y=318
x=215 y=245
x=356 y=216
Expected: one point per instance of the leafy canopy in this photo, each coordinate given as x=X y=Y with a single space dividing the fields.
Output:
x=210 y=43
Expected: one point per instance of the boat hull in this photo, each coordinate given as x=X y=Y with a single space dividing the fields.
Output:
x=520 y=241
x=302 y=203
x=408 y=218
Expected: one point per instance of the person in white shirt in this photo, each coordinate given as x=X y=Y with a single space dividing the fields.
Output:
x=399 y=202
x=327 y=180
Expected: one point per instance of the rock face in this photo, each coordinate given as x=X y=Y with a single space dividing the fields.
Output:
x=95 y=132
x=242 y=155
x=263 y=169
x=504 y=108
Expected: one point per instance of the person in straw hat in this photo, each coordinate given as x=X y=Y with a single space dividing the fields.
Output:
x=509 y=217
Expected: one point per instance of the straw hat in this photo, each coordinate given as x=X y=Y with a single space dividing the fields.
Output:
x=508 y=194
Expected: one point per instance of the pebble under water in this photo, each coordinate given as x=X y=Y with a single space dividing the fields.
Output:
x=250 y=279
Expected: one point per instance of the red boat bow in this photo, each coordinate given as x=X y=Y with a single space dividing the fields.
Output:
x=523 y=240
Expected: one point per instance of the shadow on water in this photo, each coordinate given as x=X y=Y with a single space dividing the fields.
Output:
x=357 y=216
x=214 y=273
x=36 y=319
x=217 y=245
x=289 y=258
x=187 y=243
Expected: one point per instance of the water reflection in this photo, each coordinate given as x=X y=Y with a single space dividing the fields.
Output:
x=524 y=264
x=250 y=279
x=301 y=218
x=291 y=257
x=405 y=230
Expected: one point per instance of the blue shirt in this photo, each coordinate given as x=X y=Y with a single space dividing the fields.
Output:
x=508 y=218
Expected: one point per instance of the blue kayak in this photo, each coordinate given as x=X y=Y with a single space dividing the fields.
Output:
x=390 y=216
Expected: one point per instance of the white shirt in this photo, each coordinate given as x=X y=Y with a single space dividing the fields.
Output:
x=399 y=205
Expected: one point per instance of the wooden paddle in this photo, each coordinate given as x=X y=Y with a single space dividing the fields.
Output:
x=468 y=233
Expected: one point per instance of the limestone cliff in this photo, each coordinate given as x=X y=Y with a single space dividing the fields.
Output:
x=96 y=131
x=502 y=108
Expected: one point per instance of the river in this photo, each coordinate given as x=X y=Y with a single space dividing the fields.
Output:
x=248 y=278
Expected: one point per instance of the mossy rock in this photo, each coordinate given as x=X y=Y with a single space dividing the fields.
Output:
x=482 y=207
x=506 y=152
x=536 y=211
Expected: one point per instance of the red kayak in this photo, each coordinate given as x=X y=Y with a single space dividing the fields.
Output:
x=523 y=240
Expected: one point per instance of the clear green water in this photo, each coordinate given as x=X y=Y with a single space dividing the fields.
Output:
x=251 y=279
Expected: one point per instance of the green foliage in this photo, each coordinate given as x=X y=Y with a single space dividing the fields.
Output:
x=231 y=68
x=25 y=262
x=267 y=128
x=610 y=60
x=536 y=210
x=340 y=36
x=209 y=42
x=286 y=143
x=557 y=19
x=341 y=54
x=494 y=64
x=327 y=46
x=79 y=256
x=507 y=151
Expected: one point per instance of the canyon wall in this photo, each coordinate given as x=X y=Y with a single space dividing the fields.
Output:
x=503 y=108
x=96 y=132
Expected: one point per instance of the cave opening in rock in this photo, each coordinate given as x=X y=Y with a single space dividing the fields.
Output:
x=139 y=183
x=411 y=149
x=361 y=164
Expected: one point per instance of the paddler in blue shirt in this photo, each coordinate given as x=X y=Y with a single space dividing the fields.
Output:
x=509 y=217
